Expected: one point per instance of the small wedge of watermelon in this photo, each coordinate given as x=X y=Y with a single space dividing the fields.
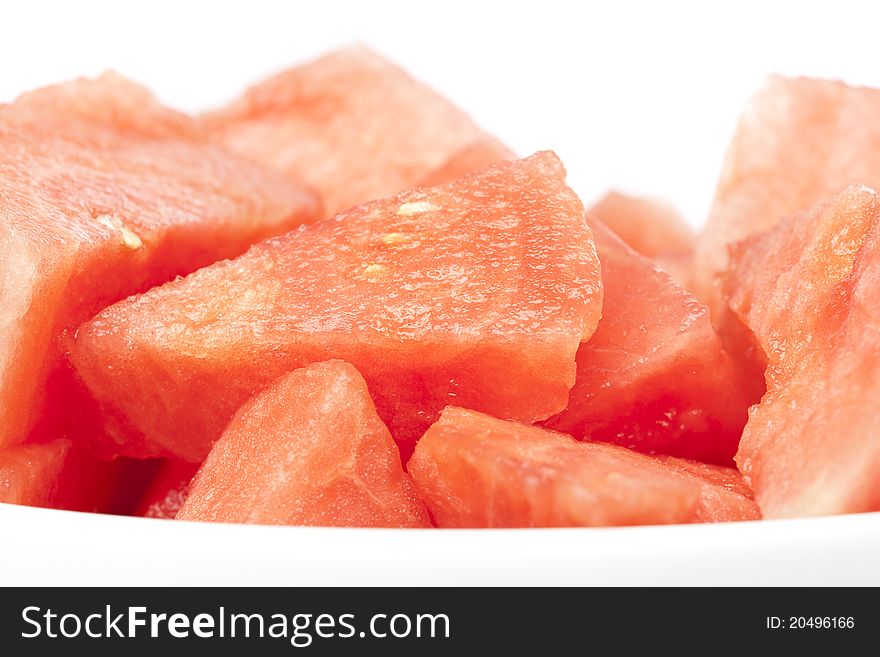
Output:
x=351 y=123
x=308 y=449
x=473 y=470
x=809 y=289
x=653 y=377
x=652 y=228
x=29 y=473
x=477 y=292
x=104 y=193
x=798 y=142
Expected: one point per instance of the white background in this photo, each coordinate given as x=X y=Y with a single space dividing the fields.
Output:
x=637 y=95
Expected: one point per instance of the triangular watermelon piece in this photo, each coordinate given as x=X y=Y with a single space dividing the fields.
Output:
x=105 y=193
x=798 y=142
x=308 y=449
x=473 y=470
x=651 y=227
x=29 y=473
x=654 y=376
x=477 y=292
x=351 y=123
x=809 y=289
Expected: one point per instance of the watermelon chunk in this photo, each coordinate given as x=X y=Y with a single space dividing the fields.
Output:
x=168 y=490
x=473 y=470
x=652 y=228
x=29 y=473
x=798 y=142
x=478 y=155
x=653 y=377
x=105 y=193
x=809 y=289
x=477 y=292
x=351 y=123
x=307 y=450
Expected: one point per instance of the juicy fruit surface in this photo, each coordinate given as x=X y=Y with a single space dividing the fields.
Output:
x=352 y=124
x=649 y=226
x=473 y=470
x=798 y=142
x=104 y=193
x=809 y=289
x=477 y=292
x=478 y=155
x=724 y=496
x=307 y=450
x=652 y=228
x=29 y=473
x=653 y=377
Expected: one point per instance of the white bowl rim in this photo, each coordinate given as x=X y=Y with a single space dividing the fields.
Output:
x=51 y=547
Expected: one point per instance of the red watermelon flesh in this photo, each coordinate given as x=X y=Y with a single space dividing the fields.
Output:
x=105 y=193
x=61 y=475
x=351 y=123
x=309 y=449
x=798 y=142
x=477 y=292
x=649 y=226
x=809 y=290
x=478 y=155
x=653 y=377
x=725 y=498
x=29 y=473
x=652 y=228
x=473 y=470
x=92 y=484
x=168 y=490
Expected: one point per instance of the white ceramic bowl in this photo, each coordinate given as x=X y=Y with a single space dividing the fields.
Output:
x=47 y=547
